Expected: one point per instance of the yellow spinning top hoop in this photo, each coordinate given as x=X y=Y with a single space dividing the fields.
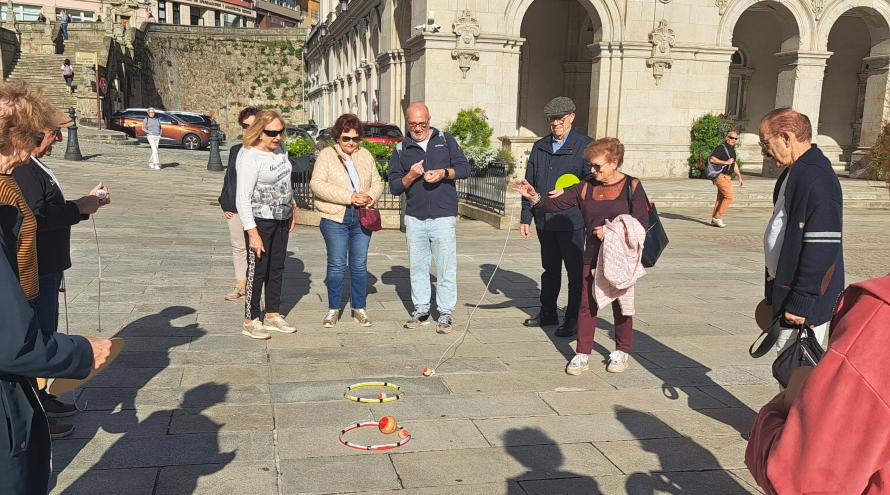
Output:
x=379 y=399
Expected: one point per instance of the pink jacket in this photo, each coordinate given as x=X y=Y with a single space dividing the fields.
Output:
x=836 y=437
x=619 y=264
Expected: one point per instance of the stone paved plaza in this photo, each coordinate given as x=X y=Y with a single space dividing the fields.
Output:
x=192 y=406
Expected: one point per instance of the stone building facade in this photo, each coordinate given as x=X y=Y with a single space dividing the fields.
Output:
x=641 y=70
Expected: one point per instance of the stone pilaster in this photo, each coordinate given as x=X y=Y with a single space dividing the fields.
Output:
x=800 y=82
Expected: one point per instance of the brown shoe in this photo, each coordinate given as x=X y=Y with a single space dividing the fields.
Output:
x=58 y=429
x=236 y=293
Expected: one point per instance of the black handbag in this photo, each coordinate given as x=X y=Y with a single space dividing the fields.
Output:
x=805 y=351
x=656 y=237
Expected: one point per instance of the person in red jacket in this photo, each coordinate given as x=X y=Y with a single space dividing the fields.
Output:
x=829 y=431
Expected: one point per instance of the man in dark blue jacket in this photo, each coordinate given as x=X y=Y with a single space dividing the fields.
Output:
x=425 y=167
x=802 y=243
x=561 y=235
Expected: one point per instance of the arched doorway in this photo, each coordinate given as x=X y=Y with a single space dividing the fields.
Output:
x=853 y=92
x=555 y=61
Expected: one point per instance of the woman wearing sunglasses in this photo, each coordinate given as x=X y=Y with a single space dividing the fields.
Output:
x=601 y=198
x=345 y=179
x=264 y=198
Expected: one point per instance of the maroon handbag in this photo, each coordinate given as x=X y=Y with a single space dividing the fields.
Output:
x=369 y=218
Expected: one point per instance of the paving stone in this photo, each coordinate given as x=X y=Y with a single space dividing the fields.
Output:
x=479 y=406
x=235 y=374
x=604 y=401
x=677 y=454
x=700 y=483
x=138 y=481
x=327 y=390
x=338 y=474
x=333 y=415
x=222 y=418
x=218 y=479
x=496 y=383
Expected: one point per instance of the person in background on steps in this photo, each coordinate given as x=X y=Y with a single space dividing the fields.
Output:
x=151 y=125
x=41 y=18
x=55 y=216
x=725 y=155
x=68 y=74
x=561 y=233
x=227 y=201
x=63 y=24
x=265 y=200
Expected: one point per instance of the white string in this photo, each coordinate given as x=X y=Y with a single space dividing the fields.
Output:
x=99 y=257
x=497 y=266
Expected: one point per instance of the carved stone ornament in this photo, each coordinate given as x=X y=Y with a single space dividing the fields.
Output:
x=662 y=39
x=466 y=27
x=721 y=5
x=818 y=8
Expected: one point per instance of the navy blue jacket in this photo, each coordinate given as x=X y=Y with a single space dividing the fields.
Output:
x=26 y=353
x=426 y=200
x=810 y=274
x=544 y=168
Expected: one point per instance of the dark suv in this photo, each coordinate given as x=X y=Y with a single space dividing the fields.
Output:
x=174 y=130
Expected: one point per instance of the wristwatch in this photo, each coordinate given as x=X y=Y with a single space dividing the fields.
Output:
x=446 y=173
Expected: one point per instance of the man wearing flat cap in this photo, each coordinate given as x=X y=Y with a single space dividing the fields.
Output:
x=561 y=234
x=55 y=216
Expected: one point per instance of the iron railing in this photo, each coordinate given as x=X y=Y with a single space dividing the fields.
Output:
x=304 y=199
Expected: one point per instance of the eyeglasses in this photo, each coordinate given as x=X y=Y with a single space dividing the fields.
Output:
x=558 y=120
x=351 y=139
x=597 y=166
x=764 y=143
x=418 y=125
x=245 y=126
x=40 y=136
x=734 y=138
x=272 y=133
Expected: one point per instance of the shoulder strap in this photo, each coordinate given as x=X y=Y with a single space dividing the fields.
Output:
x=630 y=192
x=584 y=190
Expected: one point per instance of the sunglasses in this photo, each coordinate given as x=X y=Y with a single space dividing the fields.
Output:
x=734 y=138
x=418 y=125
x=351 y=139
x=40 y=136
x=272 y=133
x=245 y=126
x=597 y=166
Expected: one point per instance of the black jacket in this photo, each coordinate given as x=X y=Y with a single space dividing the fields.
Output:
x=54 y=215
x=428 y=200
x=26 y=353
x=230 y=182
x=810 y=273
x=542 y=171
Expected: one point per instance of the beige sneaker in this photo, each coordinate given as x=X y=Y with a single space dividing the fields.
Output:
x=254 y=330
x=617 y=362
x=578 y=364
x=718 y=222
x=361 y=317
x=331 y=318
x=236 y=293
x=278 y=324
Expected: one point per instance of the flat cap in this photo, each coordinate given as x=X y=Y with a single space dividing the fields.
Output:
x=61 y=119
x=560 y=105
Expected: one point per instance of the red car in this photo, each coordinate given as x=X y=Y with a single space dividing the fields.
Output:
x=382 y=133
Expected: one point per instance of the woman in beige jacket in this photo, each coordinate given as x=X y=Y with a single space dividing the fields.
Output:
x=345 y=179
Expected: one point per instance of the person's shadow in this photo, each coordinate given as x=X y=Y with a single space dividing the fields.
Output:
x=519 y=289
x=164 y=450
x=112 y=395
x=296 y=283
x=677 y=458
x=400 y=278
x=542 y=459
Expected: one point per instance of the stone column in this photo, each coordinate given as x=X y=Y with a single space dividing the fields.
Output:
x=800 y=82
x=604 y=101
x=875 y=111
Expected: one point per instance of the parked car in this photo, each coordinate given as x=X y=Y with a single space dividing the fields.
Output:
x=197 y=118
x=174 y=130
x=382 y=133
x=293 y=132
x=312 y=129
x=324 y=135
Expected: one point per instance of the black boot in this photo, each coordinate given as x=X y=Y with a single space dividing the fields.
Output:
x=542 y=319
x=568 y=328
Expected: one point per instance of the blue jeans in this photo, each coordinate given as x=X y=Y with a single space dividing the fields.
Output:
x=64 y=29
x=346 y=242
x=46 y=305
x=434 y=239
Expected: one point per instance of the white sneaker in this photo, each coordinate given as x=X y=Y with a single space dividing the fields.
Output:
x=278 y=324
x=254 y=330
x=718 y=222
x=617 y=361
x=578 y=364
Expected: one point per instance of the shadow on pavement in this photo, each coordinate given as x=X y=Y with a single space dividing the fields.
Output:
x=542 y=459
x=400 y=278
x=676 y=216
x=515 y=286
x=296 y=283
x=703 y=474
x=109 y=400
x=138 y=447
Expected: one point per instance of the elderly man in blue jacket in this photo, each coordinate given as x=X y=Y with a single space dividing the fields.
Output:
x=425 y=167
x=560 y=234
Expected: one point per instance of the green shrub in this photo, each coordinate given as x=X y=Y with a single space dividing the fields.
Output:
x=471 y=128
x=879 y=164
x=505 y=156
x=381 y=154
x=299 y=146
x=708 y=131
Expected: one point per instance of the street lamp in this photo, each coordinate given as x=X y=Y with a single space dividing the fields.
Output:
x=72 y=151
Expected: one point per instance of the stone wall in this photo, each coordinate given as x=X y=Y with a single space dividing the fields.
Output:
x=218 y=71
x=8 y=47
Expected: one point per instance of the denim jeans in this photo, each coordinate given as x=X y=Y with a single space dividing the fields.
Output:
x=64 y=29
x=46 y=305
x=346 y=243
x=433 y=239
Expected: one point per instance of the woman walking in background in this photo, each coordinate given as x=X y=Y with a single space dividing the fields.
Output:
x=228 y=204
x=344 y=180
x=151 y=125
x=266 y=207
x=68 y=74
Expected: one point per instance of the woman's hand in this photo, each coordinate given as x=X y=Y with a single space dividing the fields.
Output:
x=555 y=193
x=293 y=218
x=524 y=189
x=599 y=233
x=360 y=199
x=228 y=214
x=255 y=243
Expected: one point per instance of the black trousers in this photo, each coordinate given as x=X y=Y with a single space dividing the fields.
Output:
x=560 y=248
x=268 y=270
